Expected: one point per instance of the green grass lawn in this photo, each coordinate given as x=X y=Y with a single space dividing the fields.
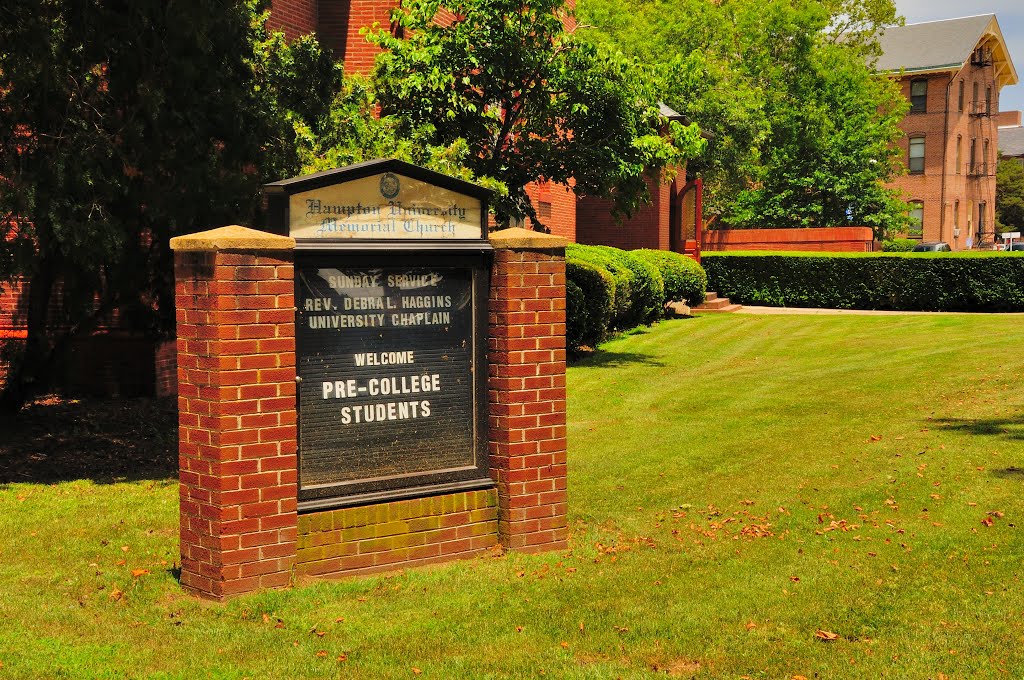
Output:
x=737 y=484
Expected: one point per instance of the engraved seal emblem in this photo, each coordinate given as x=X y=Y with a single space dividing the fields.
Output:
x=389 y=185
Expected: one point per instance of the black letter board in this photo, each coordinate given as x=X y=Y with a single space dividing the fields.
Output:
x=391 y=326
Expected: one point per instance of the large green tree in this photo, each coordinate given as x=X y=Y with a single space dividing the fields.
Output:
x=123 y=123
x=802 y=129
x=1010 y=195
x=531 y=100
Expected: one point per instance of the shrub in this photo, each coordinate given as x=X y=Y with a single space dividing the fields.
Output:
x=685 y=280
x=899 y=245
x=590 y=292
x=647 y=300
x=901 y=281
x=621 y=275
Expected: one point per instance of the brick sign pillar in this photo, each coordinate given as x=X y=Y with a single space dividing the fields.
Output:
x=526 y=388
x=234 y=291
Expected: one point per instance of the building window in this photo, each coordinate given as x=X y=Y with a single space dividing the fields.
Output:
x=974 y=97
x=916 y=215
x=956 y=216
x=984 y=159
x=981 y=220
x=915 y=155
x=960 y=98
x=988 y=100
x=959 y=153
x=972 y=162
x=918 y=95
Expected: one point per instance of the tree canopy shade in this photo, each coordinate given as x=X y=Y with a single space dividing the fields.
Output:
x=531 y=100
x=121 y=125
x=803 y=131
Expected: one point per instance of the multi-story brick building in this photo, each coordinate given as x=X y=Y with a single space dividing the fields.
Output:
x=951 y=71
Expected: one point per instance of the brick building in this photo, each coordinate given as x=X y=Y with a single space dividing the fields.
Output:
x=667 y=223
x=951 y=71
x=337 y=25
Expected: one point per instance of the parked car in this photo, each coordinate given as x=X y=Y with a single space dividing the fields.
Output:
x=1015 y=246
x=936 y=247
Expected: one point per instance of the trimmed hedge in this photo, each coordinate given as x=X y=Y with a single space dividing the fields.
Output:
x=638 y=286
x=938 y=282
x=622 y=276
x=685 y=280
x=590 y=292
x=899 y=245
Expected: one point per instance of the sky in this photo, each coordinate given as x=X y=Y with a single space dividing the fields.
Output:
x=1009 y=14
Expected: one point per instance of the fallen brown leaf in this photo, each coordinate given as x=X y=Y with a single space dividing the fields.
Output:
x=825 y=636
x=136 y=573
x=322 y=653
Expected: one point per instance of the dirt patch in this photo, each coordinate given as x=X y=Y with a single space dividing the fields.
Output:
x=106 y=440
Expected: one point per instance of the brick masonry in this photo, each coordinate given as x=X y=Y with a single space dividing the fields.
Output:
x=240 y=529
x=237 y=419
x=954 y=196
x=527 y=390
x=828 y=239
x=402 y=533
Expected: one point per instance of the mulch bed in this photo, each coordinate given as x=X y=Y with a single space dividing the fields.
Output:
x=57 y=439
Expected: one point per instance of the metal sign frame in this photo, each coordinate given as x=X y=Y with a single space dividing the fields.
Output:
x=473 y=255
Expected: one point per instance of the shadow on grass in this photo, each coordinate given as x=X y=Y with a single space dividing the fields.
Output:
x=1011 y=428
x=103 y=440
x=605 y=358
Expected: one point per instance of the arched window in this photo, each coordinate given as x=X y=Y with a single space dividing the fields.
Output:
x=915 y=155
x=919 y=95
x=960 y=97
x=959 y=153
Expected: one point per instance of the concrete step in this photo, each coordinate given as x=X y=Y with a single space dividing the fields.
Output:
x=713 y=303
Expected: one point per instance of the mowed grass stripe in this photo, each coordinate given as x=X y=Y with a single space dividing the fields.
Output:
x=727 y=500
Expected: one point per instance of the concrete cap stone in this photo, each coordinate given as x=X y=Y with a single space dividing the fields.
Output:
x=233 y=237
x=517 y=238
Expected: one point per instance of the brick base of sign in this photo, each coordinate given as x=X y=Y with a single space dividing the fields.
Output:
x=236 y=363
x=398 y=534
x=526 y=384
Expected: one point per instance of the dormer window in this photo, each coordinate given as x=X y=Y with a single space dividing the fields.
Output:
x=919 y=95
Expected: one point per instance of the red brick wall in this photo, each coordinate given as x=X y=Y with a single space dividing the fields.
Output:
x=556 y=207
x=237 y=414
x=237 y=433
x=165 y=365
x=648 y=228
x=940 y=133
x=340 y=23
x=1008 y=119
x=827 y=239
x=401 y=533
x=293 y=17
x=527 y=395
